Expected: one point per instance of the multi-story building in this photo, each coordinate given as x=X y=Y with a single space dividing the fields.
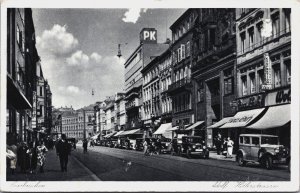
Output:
x=213 y=69
x=21 y=61
x=263 y=72
x=110 y=116
x=120 y=112
x=181 y=88
x=48 y=108
x=147 y=49
x=100 y=117
x=165 y=67
x=87 y=121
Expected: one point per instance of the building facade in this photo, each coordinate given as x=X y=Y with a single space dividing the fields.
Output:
x=120 y=112
x=147 y=49
x=181 y=87
x=264 y=68
x=213 y=69
x=21 y=61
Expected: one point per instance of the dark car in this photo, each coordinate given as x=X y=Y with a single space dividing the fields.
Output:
x=193 y=145
x=139 y=144
x=166 y=145
x=111 y=142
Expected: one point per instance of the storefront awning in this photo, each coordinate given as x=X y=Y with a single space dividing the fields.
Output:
x=195 y=125
x=163 y=129
x=220 y=123
x=276 y=116
x=95 y=136
x=243 y=118
x=117 y=134
x=173 y=128
x=131 y=132
x=110 y=134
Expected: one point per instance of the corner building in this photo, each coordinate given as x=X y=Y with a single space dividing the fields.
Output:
x=263 y=73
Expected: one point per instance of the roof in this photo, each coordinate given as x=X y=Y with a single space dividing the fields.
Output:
x=180 y=19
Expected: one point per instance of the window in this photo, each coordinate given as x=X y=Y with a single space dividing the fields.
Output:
x=246 y=140
x=41 y=91
x=175 y=57
x=287 y=22
x=212 y=36
x=228 y=81
x=259 y=31
x=178 y=55
x=255 y=141
x=188 y=49
x=251 y=37
x=182 y=51
x=275 y=24
x=252 y=82
x=244 y=85
x=241 y=140
x=288 y=71
x=243 y=39
x=260 y=78
x=277 y=77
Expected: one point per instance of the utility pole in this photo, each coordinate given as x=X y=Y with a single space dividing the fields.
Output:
x=84 y=129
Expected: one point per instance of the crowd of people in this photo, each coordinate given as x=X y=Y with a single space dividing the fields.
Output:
x=31 y=157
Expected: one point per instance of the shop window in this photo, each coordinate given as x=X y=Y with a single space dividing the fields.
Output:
x=244 y=85
x=251 y=37
x=288 y=71
x=252 y=83
x=277 y=77
x=243 y=41
x=275 y=25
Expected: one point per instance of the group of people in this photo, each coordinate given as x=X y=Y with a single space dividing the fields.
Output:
x=152 y=147
x=29 y=157
x=224 y=146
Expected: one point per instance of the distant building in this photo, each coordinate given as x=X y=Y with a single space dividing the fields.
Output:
x=120 y=112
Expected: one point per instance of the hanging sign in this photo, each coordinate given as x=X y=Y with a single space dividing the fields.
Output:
x=267 y=85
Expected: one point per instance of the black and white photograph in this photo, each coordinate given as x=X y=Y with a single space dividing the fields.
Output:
x=178 y=97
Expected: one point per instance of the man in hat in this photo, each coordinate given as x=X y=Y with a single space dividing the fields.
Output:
x=63 y=150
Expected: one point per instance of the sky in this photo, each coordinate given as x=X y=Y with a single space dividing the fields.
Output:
x=78 y=48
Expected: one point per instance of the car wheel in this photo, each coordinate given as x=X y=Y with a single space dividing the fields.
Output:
x=240 y=160
x=268 y=162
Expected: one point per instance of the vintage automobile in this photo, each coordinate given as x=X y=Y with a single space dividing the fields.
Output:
x=264 y=149
x=111 y=142
x=193 y=145
x=139 y=144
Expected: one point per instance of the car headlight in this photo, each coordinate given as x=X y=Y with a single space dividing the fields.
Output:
x=194 y=146
x=276 y=150
x=204 y=147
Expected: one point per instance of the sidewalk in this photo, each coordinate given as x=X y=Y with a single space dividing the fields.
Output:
x=214 y=155
x=52 y=172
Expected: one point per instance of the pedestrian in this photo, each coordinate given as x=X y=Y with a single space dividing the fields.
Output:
x=22 y=160
x=225 y=147
x=84 y=145
x=218 y=143
x=41 y=155
x=12 y=158
x=63 y=150
x=229 y=147
x=146 y=150
x=32 y=156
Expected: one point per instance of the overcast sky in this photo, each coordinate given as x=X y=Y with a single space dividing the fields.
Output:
x=78 y=48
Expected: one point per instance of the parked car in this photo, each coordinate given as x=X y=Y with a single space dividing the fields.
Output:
x=264 y=149
x=139 y=144
x=194 y=145
x=111 y=142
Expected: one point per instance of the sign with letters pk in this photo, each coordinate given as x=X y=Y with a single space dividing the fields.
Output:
x=148 y=35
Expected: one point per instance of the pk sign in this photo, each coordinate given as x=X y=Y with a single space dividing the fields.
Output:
x=148 y=35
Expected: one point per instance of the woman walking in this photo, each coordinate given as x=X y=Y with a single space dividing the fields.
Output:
x=41 y=156
x=32 y=156
x=229 y=147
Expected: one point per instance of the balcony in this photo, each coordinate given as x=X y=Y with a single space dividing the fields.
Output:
x=184 y=84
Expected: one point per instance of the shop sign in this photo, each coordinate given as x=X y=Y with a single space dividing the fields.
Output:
x=148 y=35
x=250 y=102
x=278 y=97
x=243 y=119
x=267 y=85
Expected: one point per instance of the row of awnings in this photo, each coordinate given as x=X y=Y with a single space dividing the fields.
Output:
x=123 y=133
x=262 y=118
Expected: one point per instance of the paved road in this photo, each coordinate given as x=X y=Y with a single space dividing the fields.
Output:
x=110 y=164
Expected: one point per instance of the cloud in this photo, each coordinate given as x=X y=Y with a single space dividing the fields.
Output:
x=78 y=58
x=96 y=57
x=57 y=40
x=132 y=15
x=73 y=89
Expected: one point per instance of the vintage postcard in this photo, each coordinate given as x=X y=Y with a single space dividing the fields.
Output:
x=159 y=96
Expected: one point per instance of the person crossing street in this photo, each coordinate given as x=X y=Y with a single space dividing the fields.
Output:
x=63 y=150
